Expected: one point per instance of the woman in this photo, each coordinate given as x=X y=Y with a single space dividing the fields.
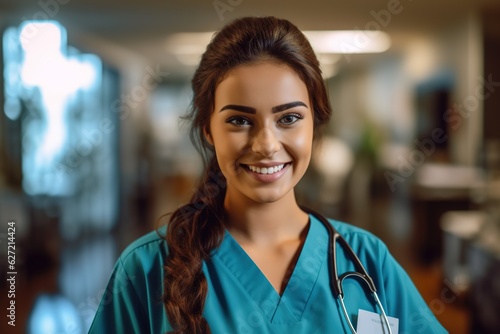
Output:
x=243 y=256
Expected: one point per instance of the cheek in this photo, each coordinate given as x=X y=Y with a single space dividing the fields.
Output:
x=302 y=142
x=227 y=152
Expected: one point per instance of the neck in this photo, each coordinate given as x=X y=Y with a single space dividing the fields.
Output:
x=250 y=222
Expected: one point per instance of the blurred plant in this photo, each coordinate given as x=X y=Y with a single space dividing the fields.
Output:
x=371 y=140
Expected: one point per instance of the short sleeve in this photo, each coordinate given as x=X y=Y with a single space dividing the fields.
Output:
x=396 y=291
x=404 y=300
x=120 y=310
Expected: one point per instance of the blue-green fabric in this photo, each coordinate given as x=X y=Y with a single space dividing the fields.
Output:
x=241 y=300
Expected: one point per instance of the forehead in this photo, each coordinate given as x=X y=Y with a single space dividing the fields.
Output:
x=261 y=84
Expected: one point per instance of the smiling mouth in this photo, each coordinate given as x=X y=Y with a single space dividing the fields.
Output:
x=266 y=170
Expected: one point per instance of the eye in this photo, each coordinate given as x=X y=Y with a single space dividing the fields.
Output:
x=238 y=121
x=290 y=119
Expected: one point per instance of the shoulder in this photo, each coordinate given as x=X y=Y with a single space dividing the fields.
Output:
x=144 y=243
x=356 y=234
x=347 y=229
x=364 y=243
x=132 y=299
x=146 y=251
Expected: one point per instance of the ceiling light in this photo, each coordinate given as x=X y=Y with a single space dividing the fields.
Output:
x=187 y=47
x=349 y=41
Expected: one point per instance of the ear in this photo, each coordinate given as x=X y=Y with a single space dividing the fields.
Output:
x=208 y=137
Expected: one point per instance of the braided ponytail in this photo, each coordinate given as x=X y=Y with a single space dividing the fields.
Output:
x=194 y=230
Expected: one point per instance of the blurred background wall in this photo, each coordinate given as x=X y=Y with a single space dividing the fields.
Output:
x=92 y=151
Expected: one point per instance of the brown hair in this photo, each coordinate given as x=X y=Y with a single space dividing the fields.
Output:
x=196 y=228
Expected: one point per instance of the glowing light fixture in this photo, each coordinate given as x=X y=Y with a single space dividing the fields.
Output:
x=329 y=45
x=349 y=41
x=42 y=72
x=188 y=47
x=53 y=314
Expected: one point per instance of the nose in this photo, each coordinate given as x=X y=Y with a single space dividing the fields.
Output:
x=266 y=143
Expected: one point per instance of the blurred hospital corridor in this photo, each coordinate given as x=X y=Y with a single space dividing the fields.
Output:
x=94 y=151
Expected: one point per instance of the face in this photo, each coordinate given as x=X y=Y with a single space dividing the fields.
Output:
x=262 y=131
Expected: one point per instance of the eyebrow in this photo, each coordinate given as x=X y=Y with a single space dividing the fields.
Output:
x=276 y=109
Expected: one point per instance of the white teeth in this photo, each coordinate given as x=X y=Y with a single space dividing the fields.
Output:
x=266 y=170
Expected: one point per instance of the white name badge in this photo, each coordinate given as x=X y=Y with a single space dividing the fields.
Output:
x=374 y=323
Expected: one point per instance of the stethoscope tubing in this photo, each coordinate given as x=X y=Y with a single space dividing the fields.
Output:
x=335 y=280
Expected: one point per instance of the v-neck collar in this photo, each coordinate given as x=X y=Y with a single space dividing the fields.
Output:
x=290 y=306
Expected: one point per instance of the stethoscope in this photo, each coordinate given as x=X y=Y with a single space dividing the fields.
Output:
x=335 y=280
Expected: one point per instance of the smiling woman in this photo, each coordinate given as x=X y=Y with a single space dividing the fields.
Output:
x=243 y=256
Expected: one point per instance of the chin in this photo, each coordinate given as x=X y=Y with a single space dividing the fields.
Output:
x=267 y=197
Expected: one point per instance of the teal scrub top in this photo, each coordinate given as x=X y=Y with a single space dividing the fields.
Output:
x=241 y=300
